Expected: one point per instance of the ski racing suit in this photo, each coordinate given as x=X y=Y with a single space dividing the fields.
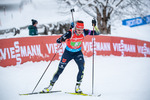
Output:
x=73 y=51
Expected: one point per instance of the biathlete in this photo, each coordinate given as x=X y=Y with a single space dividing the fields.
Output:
x=73 y=39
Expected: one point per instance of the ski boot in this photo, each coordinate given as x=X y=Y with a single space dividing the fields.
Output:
x=77 y=88
x=49 y=88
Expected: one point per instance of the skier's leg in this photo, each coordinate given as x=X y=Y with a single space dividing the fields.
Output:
x=79 y=59
x=63 y=62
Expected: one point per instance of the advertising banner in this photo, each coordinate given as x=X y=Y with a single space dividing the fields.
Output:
x=136 y=21
x=143 y=49
x=102 y=46
x=19 y=50
x=124 y=46
x=16 y=51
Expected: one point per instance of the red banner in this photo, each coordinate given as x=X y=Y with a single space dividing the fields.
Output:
x=143 y=48
x=124 y=46
x=102 y=45
x=19 y=50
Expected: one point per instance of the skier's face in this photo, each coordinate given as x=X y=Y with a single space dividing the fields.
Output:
x=79 y=31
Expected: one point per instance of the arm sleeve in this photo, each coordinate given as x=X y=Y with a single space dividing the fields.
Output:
x=29 y=27
x=65 y=36
x=90 y=32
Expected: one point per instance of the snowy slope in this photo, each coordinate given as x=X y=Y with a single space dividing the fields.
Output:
x=116 y=78
x=140 y=32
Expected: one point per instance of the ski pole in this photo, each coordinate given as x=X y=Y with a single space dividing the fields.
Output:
x=46 y=68
x=72 y=10
x=93 y=61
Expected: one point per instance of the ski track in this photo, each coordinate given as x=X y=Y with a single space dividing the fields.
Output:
x=116 y=78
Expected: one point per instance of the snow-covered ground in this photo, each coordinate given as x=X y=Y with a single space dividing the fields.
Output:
x=116 y=78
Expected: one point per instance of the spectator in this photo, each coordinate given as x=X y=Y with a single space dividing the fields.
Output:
x=32 y=28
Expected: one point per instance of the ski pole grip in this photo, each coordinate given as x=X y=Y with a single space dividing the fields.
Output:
x=72 y=10
x=93 y=22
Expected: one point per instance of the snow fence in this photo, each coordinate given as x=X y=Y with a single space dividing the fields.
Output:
x=16 y=51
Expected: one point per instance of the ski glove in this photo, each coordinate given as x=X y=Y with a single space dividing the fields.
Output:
x=72 y=25
x=58 y=40
x=61 y=39
x=94 y=22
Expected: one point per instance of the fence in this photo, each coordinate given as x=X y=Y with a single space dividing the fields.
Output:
x=16 y=51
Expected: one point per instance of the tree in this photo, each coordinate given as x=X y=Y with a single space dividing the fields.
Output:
x=105 y=11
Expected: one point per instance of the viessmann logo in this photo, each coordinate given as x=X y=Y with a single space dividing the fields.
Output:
x=18 y=52
x=98 y=46
x=144 y=50
x=122 y=47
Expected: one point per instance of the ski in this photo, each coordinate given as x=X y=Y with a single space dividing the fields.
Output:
x=40 y=93
x=72 y=93
x=83 y=94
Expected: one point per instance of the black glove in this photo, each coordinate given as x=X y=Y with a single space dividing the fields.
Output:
x=58 y=40
x=94 y=22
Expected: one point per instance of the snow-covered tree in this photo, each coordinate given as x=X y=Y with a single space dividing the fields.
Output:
x=106 y=11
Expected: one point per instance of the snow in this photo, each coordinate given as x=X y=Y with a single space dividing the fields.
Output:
x=140 y=32
x=116 y=78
